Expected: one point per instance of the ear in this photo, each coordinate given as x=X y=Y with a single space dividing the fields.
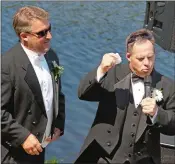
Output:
x=24 y=36
x=128 y=56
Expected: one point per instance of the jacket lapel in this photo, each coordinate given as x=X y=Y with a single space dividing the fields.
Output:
x=55 y=85
x=156 y=78
x=32 y=81
x=122 y=93
x=30 y=77
x=142 y=125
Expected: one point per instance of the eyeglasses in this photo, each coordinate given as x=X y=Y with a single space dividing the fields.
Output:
x=143 y=35
x=42 y=33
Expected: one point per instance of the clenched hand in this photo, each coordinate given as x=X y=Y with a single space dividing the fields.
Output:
x=31 y=145
x=108 y=61
x=149 y=106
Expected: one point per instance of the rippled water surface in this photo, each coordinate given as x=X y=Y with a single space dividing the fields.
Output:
x=82 y=33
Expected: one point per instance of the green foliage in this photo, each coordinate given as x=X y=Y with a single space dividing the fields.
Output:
x=52 y=161
x=57 y=71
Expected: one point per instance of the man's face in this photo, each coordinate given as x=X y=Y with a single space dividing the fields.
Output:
x=141 y=59
x=37 y=42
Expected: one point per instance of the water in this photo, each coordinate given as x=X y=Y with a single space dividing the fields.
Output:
x=82 y=33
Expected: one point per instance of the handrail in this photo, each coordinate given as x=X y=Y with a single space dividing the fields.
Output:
x=167 y=146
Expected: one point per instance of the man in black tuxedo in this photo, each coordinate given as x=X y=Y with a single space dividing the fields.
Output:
x=32 y=104
x=127 y=126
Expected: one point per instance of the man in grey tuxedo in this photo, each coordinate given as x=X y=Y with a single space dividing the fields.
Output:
x=32 y=104
x=129 y=119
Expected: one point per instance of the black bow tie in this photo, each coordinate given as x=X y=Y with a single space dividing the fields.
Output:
x=136 y=77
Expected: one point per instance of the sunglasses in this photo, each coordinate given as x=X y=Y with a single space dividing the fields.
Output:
x=42 y=33
x=144 y=35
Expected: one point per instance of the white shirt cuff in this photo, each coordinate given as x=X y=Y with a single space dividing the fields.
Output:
x=99 y=75
x=153 y=119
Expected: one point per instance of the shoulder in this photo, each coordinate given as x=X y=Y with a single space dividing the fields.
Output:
x=52 y=51
x=116 y=73
x=166 y=83
x=167 y=80
x=9 y=56
x=121 y=70
x=11 y=52
x=13 y=58
x=164 y=79
x=52 y=55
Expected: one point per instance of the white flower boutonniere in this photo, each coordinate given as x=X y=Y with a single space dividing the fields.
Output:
x=157 y=95
x=57 y=70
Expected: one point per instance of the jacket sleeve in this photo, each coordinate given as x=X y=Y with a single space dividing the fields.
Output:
x=60 y=120
x=11 y=131
x=89 y=89
x=165 y=118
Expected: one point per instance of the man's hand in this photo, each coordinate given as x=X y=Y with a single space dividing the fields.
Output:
x=56 y=135
x=149 y=106
x=32 y=146
x=108 y=61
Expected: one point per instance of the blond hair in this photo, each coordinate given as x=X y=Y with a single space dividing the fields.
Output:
x=137 y=37
x=25 y=15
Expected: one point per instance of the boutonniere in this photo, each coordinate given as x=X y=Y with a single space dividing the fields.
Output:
x=57 y=70
x=157 y=95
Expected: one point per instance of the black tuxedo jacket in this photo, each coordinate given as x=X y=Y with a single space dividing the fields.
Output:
x=22 y=106
x=112 y=93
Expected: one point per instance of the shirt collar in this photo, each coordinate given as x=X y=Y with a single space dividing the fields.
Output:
x=33 y=56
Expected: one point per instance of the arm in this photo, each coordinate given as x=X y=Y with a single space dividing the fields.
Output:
x=89 y=88
x=92 y=86
x=11 y=131
x=60 y=120
x=165 y=118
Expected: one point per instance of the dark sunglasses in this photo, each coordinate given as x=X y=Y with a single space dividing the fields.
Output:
x=42 y=33
x=134 y=37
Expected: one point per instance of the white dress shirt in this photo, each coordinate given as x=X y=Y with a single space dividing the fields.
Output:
x=43 y=74
x=138 y=90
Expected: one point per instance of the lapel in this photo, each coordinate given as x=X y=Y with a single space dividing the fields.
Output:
x=122 y=93
x=156 y=78
x=30 y=76
x=32 y=81
x=54 y=83
x=142 y=125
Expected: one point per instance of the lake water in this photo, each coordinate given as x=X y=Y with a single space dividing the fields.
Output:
x=82 y=33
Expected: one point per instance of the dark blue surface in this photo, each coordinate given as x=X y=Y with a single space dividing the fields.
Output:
x=82 y=33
